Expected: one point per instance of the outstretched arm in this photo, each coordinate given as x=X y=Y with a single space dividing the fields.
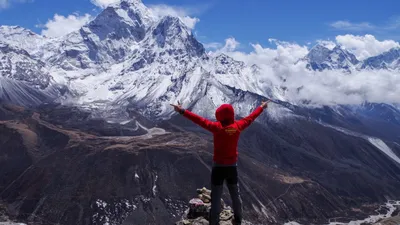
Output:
x=203 y=122
x=245 y=122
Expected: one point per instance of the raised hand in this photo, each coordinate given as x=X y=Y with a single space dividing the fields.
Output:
x=178 y=108
x=264 y=104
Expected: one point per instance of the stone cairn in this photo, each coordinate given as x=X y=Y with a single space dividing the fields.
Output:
x=199 y=209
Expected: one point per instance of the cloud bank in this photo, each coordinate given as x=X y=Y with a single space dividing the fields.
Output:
x=365 y=46
x=281 y=66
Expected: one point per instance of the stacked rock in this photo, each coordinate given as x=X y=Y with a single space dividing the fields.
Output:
x=199 y=209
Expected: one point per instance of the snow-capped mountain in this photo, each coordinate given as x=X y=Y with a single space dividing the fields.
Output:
x=22 y=38
x=129 y=56
x=321 y=58
x=127 y=31
x=126 y=55
x=386 y=60
x=110 y=38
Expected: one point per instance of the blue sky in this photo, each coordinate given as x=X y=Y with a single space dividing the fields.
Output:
x=250 y=21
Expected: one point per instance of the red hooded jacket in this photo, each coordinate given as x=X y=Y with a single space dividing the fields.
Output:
x=226 y=131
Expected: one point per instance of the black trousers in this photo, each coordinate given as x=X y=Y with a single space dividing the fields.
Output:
x=218 y=176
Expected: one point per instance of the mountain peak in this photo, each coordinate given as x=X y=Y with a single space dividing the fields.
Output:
x=13 y=30
x=172 y=32
x=318 y=53
x=21 y=38
x=5 y=27
x=225 y=59
x=136 y=10
x=171 y=26
x=129 y=12
x=133 y=2
x=117 y=23
x=386 y=60
x=128 y=3
x=319 y=47
x=123 y=18
x=345 y=53
x=321 y=57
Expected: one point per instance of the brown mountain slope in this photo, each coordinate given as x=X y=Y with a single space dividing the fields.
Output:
x=52 y=174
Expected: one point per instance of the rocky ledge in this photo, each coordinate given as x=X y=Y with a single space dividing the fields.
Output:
x=199 y=209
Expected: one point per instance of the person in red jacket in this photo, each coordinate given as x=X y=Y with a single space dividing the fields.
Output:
x=226 y=133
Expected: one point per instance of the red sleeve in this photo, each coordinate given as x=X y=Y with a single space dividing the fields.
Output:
x=245 y=122
x=203 y=122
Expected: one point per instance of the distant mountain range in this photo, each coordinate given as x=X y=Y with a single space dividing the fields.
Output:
x=322 y=58
x=127 y=55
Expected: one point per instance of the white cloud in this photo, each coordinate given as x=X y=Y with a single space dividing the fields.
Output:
x=335 y=87
x=175 y=11
x=328 y=44
x=61 y=25
x=346 y=25
x=284 y=53
x=280 y=66
x=230 y=45
x=104 y=3
x=365 y=46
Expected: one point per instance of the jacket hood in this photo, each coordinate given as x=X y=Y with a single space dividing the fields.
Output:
x=225 y=114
